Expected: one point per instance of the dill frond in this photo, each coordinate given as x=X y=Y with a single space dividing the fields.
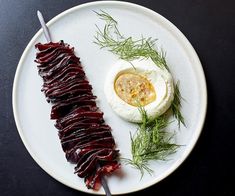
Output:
x=150 y=142
x=176 y=105
x=127 y=48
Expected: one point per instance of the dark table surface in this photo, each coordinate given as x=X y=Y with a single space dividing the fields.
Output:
x=210 y=27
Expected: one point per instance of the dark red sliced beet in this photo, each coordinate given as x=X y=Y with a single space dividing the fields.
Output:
x=74 y=155
x=84 y=134
x=84 y=130
x=77 y=88
x=46 y=48
x=57 y=91
x=74 y=127
x=47 y=66
x=58 y=65
x=107 y=142
x=85 y=167
x=68 y=81
x=79 y=116
x=43 y=60
x=85 y=138
x=61 y=109
x=71 y=69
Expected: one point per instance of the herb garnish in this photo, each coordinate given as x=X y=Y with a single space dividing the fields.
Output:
x=151 y=141
x=176 y=105
x=127 y=48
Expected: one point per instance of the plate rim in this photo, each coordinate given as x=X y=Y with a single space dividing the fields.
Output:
x=183 y=41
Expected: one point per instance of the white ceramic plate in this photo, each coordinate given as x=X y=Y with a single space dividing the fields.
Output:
x=76 y=26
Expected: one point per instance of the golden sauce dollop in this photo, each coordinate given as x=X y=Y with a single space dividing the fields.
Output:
x=134 y=89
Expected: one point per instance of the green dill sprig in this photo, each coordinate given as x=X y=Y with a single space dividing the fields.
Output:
x=176 y=105
x=150 y=142
x=127 y=48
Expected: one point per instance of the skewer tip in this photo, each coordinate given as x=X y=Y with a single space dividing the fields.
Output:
x=39 y=13
x=44 y=26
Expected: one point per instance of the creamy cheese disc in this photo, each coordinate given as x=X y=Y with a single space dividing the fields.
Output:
x=137 y=83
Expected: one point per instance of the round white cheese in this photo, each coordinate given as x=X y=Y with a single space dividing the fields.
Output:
x=160 y=78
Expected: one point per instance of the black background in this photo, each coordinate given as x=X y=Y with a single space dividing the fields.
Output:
x=210 y=27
